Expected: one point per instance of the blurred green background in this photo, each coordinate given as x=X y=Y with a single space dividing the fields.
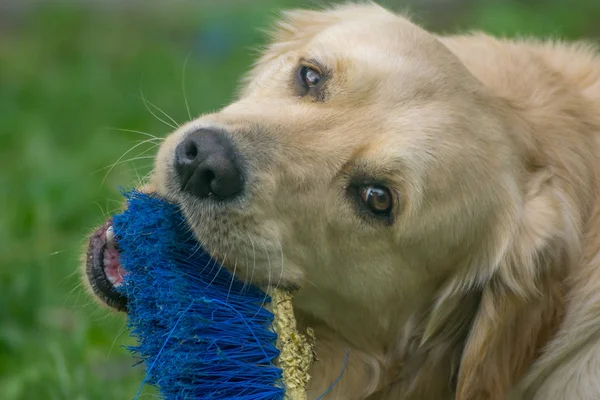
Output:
x=76 y=80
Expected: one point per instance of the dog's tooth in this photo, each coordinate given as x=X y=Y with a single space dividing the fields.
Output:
x=110 y=237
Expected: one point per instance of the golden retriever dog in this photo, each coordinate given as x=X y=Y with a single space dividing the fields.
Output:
x=434 y=201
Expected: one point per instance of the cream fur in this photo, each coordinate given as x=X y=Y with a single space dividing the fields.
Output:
x=487 y=283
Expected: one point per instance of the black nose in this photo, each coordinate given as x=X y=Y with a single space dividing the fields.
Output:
x=206 y=165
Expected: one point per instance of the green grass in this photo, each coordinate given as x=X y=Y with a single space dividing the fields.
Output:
x=66 y=77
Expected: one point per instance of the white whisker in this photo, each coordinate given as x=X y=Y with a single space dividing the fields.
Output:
x=220 y=264
x=105 y=215
x=232 y=280
x=124 y=154
x=246 y=264
x=253 y=259
x=281 y=269
x=134 y=131
x=174 y=126
x=187 y=106
x=268 y=278
x=121 y=331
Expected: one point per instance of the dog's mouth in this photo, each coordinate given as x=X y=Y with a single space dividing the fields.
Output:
x=106 y=274
x=103 y=267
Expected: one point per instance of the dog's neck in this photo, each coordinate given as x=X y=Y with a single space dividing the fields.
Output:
x=387 y=353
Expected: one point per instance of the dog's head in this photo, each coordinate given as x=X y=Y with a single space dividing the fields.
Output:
x=364 y=165
x=360 y=158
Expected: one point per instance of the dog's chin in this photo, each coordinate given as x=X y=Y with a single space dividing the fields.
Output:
x=263 y=272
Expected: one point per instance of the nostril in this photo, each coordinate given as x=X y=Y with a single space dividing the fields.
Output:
x=190 y=150
x=209 y=176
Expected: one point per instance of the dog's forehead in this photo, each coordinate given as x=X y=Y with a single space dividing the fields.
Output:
x=370 y=34
x=390 y=56
x=364 y=50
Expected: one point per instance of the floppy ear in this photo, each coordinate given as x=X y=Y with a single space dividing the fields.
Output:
x=521 y=303
x=506 y=336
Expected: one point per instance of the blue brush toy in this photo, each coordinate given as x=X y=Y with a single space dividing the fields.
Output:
x=202 y=333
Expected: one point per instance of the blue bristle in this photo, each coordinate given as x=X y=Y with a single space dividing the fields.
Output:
x=201 y=332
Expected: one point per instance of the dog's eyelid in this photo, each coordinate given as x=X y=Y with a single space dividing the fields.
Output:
x=352 y=189
x=314 y=64
x=301 y=89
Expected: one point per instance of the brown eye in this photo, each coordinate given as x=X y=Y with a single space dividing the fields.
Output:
x=310 y=77
x=378 y=199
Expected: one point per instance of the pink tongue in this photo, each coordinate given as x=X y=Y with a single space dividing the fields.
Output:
x=112 y=266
